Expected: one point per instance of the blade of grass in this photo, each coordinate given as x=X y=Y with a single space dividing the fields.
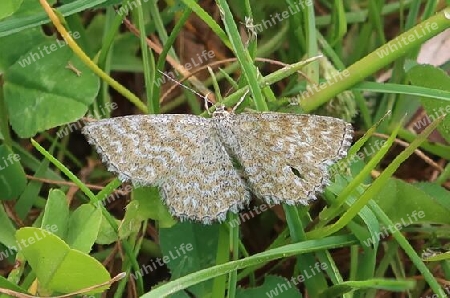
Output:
x=409 y=250
x=381 y=284
x=332 y=211
x=167 y=46
x=337 y=62
x=434 y=148
x=202 y=14
x=379 y=58
x=316 y=283
x=312 y=47
x=267 y=80
x=148 y=59
x=246 y=62
x=234 y=248
x=402 y=89
x=222 y=256
x=266 y=256
x=375 y=186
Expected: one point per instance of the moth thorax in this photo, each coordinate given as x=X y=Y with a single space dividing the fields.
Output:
x=220 y=112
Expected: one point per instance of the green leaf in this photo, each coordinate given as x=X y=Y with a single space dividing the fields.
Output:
x=190 y=247
x=56 y=213
x=437 y=192
x=433 y=78
x=146 y=204
x=107 y=234
x=6 y=284
x=7 y=231
x=273 y=286
x=12 y=175
x=8 y=7
x=84 y=225
x=53 y=95
x=57 y=267
x=131 y=222
x=21 y=43
x=407 y=204
x=31 y=192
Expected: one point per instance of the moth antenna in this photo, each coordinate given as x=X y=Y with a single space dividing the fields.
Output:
x=205 y=97
x=206 y=101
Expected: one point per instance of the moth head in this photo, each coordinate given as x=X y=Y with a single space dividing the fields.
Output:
x=220 y=111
